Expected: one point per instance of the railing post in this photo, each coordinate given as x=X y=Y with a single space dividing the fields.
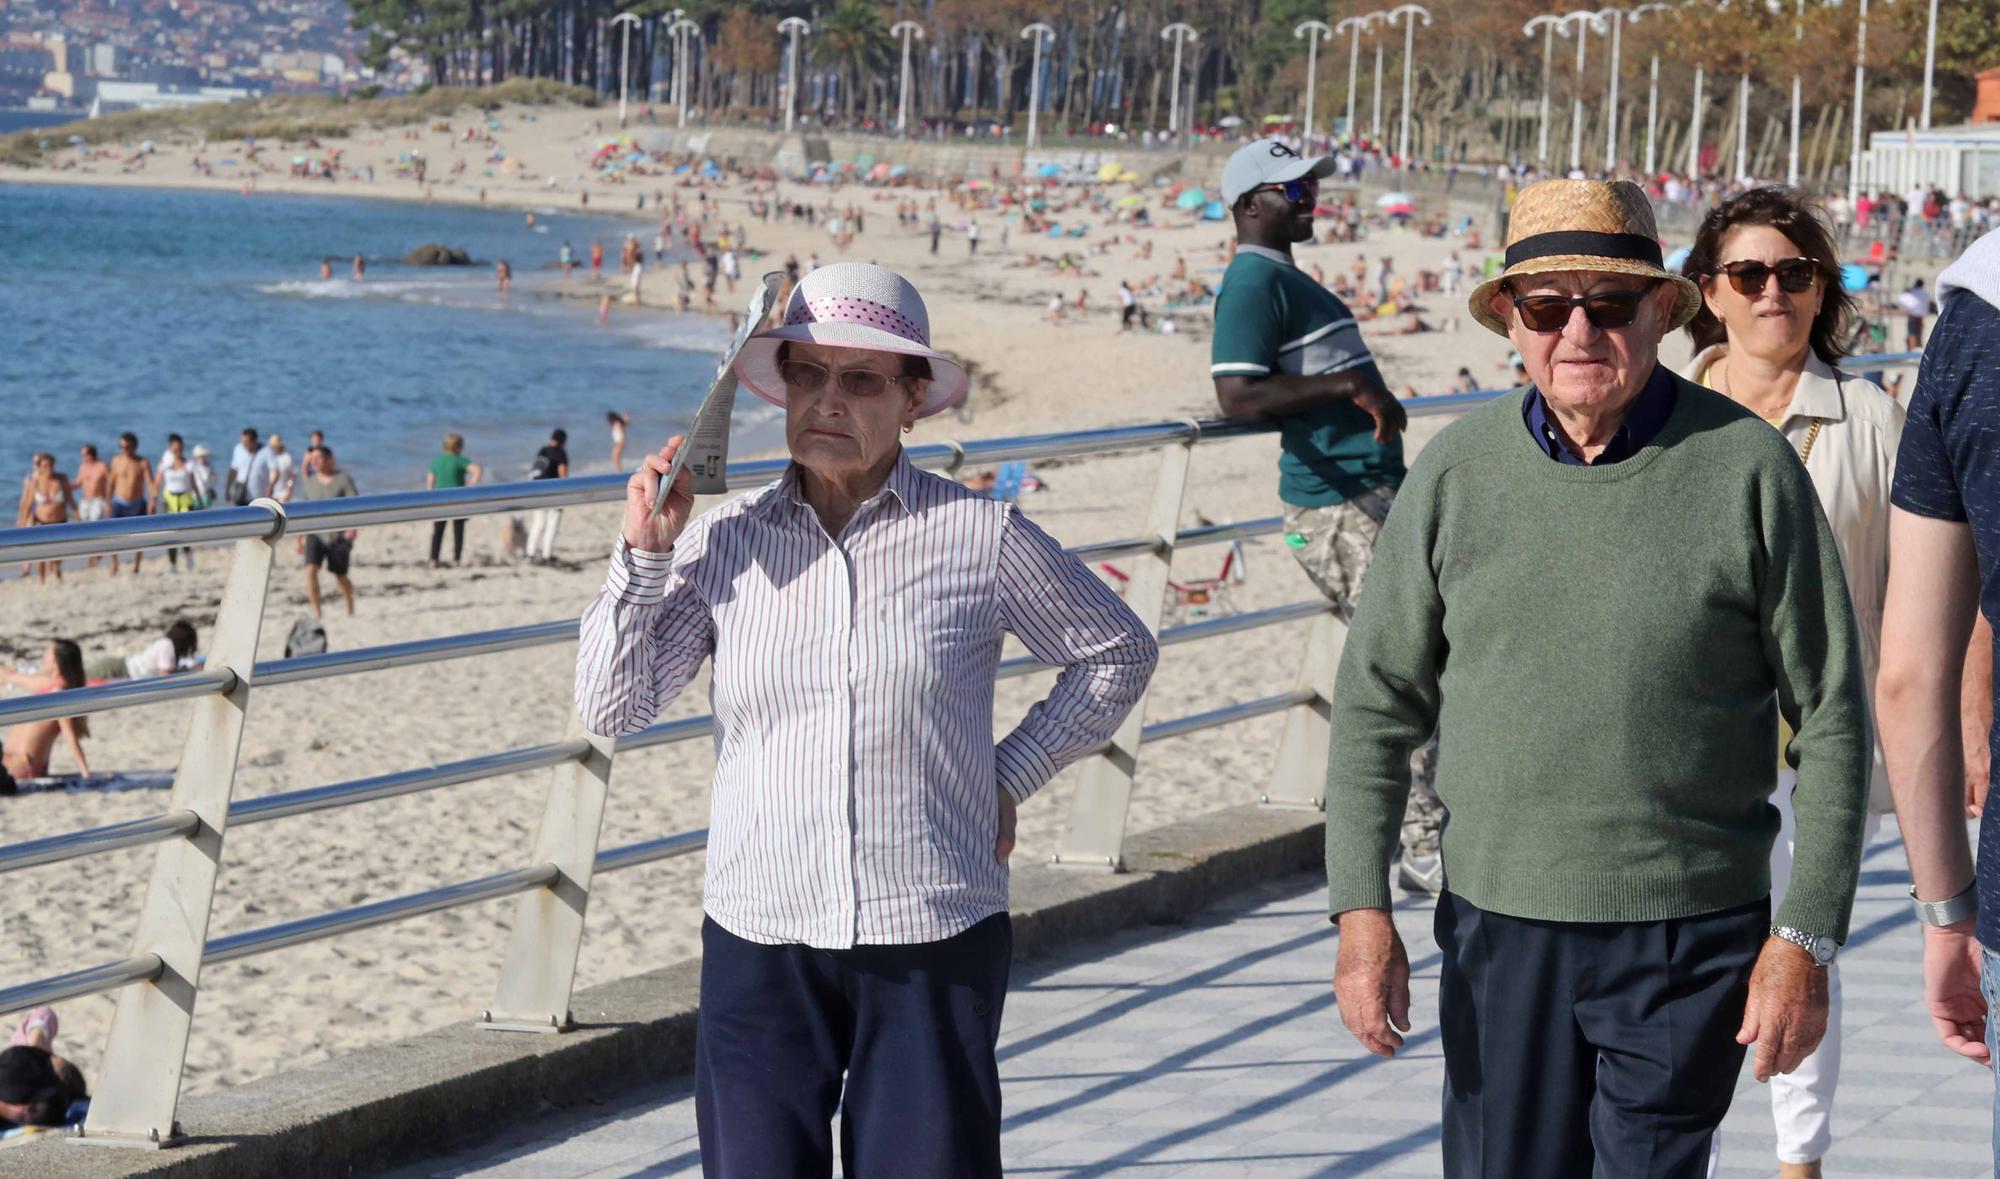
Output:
x=136 y=1096
x=1299 y=780
x=1094 y=838
x=540 y=969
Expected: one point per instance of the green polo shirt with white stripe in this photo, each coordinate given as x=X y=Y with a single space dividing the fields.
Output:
x=1270 y=317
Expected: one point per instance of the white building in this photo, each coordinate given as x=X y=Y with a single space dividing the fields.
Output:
x=1962 y=160
x=148 y=96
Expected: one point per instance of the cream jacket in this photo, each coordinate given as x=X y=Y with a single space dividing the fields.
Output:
x=1852 y=464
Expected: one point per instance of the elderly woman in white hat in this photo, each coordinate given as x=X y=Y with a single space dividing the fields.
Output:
x=1602 y=592
x=855 y=900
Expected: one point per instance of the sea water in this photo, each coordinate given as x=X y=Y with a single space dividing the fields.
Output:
x=200 y=313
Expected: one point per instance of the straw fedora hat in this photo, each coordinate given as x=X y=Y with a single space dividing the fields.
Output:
x=1596 y=225
x=853 y=305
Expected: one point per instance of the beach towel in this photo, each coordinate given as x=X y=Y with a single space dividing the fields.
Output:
x=116 y=782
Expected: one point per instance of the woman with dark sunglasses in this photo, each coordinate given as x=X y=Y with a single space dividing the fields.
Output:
x=1768 y=336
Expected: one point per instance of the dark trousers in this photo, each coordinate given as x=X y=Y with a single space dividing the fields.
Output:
x=457 y=539
x=1578 y=1049
x=913 y=1028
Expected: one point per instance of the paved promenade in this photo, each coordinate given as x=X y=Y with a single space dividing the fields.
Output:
x=1214 y=1049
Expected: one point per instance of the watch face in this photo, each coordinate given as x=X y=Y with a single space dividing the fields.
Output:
x=1823 y=950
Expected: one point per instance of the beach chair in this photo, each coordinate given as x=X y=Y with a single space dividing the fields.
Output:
x=1201 y=597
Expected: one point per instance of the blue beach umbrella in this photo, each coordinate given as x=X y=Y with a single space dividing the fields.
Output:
x=1853 y=277
x=1213 y=211
x=1191 y=198
x=1049 y=171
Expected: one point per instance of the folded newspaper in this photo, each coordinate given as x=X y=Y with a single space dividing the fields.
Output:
x=705 y=452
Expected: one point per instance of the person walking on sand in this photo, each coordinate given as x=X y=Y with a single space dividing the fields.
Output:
x=46 y=498
x=332 y=551
x=315 y=442
x=237 y=489
x=451 y=469
x=173 y=492
x=1287 y=349
x=856 y=951
x=551 y=462
x=972 y=237
x=272 y=473
x=93 y=487
x=131 y=477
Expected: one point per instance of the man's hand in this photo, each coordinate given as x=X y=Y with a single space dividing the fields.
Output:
x=1003 y=844
x=1951 y=990
x=1786 y=1013
x=1389 y=414
x=1371 y=980
x=643 y=530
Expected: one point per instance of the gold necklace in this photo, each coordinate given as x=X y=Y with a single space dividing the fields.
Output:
x=1721 y=370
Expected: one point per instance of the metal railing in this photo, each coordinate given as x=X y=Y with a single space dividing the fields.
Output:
x=158 y=984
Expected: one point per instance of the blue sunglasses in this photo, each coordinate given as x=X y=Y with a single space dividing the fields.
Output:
x=1294 y=190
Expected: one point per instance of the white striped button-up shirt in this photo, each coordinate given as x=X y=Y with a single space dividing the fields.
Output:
x=854 y=798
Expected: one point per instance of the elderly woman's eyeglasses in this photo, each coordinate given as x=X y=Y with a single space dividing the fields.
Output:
x=855 y=382
x=1605 y=309
x=1795 y=276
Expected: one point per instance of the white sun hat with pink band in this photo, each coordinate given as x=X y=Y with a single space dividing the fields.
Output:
x=853 y=305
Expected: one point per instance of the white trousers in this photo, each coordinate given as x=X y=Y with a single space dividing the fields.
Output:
x=542 y=527
x=1802 y=1100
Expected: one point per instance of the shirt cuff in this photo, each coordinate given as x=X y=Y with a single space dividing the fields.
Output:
x=638 y=577
x=1022 y=766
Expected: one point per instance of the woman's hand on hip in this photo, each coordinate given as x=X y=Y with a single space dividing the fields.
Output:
x=643 y=530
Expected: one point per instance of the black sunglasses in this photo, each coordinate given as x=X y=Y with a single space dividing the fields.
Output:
x=1294 y=190
x=855 y=382
x=1795 y=276
x=1605 y=310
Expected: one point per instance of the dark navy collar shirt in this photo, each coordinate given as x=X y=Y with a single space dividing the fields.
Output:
x=1649 y=413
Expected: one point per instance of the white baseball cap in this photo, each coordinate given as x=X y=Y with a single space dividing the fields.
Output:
x=1267 y=161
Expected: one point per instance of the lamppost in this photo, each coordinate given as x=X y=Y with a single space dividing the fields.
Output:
x=1860 y=99
x=905 y=29
x=1635 y=15
x=1314 y=31
x=1409 y=13
x=1040 y=34
x=1742 y=126
x=797 y=28
x=681 y=29
x=627 y=19
x=1618 y=17
x=1179 y=33
x=1358 y=24
x=1584 y=21
x=1930 y=60
x=1550 y=26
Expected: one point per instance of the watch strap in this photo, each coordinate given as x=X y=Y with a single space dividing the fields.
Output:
x=1949 y=911
x=1823 y=950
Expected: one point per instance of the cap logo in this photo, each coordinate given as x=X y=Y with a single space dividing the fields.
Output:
x=1282 y=152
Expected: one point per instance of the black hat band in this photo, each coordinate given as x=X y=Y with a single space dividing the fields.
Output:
x=1630 y=246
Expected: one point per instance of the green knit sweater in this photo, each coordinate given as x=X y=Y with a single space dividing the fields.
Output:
x=1604 y=652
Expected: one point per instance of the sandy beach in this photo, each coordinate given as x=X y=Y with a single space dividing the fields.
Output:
x=1031 y=375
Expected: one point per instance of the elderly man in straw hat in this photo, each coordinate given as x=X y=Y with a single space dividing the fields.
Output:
x=856 y=943
x=1603 y=590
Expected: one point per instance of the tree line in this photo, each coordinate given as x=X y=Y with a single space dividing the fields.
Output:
x=1476 y=86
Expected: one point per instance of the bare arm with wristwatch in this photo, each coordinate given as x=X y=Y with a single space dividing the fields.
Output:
x=1933 y=583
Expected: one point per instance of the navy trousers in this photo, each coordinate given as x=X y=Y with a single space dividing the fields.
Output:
x=1577 y=1050
x=911 y=1028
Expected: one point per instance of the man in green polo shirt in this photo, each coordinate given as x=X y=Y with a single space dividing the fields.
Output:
x=448 y=470
x=1288 y=349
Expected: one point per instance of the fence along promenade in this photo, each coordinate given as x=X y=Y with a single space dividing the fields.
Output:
x=158 y=985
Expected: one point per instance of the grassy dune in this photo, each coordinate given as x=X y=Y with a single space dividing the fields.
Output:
x=287 y=117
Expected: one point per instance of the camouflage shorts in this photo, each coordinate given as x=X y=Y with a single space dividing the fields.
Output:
x=1334 y=545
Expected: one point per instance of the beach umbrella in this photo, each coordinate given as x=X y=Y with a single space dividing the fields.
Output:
x=77 y=139
x=1191 y=198
x=900 y=170
x=1128 y=176
x=1388 y=199
x=1229 y=121
x=879 y=172
x=1108 y=172
x=1853 y=277
x=1049 y=171
x=864 y=161
x=1214 y=211
x=1128 y=202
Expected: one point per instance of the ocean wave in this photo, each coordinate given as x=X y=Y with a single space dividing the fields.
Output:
x=347 y=288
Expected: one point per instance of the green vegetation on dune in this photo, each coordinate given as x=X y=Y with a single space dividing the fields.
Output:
x=288 y=116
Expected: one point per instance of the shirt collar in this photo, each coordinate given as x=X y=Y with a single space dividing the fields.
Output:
x=900 y=488
x=1817 y=395
x=1647 y=417
x=1278 y=256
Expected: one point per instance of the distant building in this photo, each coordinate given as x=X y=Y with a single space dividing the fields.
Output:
x=147 y=96
x=107 y=61
x=1959 y=161
x=1986 y=108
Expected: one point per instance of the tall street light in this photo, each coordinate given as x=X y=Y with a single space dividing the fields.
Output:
x=682 y=29
x=1375 y=119
x=1930 y=61
x=1409 y=13
x=1550 y=26
x=1860 y=101
x=905 y=29
x=1799 y=38
x=797 y=28
x=1742 y=126
x=1040 y=34
x=1635 y=15
x=1314 y=31
x=1357 y=24
x=627 y=19
x=1618 y=17
x=1179 y=33
x=1585 y=22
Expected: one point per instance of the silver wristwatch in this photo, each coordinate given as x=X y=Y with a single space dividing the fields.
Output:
x=1823 y=949
x=1950 y=911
